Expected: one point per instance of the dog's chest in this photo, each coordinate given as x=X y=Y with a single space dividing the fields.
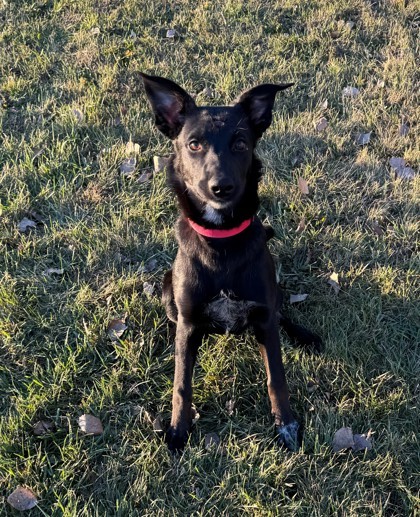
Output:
x=226 y=313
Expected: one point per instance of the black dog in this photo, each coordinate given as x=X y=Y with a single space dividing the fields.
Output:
x=223 y=278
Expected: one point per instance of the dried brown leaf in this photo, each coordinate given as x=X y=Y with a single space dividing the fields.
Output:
x=128 y=166
x=301 y=226
x=377 y=229
x=22 y=499
x=403 y=130
x=211 y=440
x=363 y=138
x=311 y=386
x=132 y=148
x=361 y=442
x=351 y=92
x=54 y=271
x=195 y=415
x=296 y=298
x=157 y=424
x=321 y=124
x=116 y=329
x=334 y=283
x=160 y=162
x=303 y=186
x=78 y=115
x=43 y=427
x=145 y=177
x=230 y=406
x=343 y=439
x=148 y=289
x=26 y=224
x=90 y=424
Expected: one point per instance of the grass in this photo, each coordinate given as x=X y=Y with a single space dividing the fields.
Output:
x=57 y=361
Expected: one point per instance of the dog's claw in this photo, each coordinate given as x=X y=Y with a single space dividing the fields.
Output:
x=288 y=436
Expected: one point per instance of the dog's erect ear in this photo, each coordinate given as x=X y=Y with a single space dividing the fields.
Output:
x=258 y=103
x=170 y=104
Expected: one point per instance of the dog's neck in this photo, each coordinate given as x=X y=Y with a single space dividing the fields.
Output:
x=204 y=214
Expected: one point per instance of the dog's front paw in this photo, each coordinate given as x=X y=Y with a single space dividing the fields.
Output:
x=176 y=440
x=288 y=436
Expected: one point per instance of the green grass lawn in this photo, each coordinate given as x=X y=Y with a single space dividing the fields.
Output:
x=71 y=98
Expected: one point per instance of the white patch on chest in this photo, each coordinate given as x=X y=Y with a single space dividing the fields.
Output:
x=212 y=215
x=229 y=313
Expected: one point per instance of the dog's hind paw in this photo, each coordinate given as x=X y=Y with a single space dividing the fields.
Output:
x=288 y=436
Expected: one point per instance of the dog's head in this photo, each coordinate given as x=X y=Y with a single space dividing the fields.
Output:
x=213 y=145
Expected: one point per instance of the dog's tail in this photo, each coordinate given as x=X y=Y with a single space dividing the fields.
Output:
x=297 y=334
x=300 y=335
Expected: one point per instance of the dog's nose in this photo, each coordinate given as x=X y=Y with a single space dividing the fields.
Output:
x=221 y=189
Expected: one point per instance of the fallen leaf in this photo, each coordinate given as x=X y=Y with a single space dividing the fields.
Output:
x=26 y=224
x=38 y=153
x=230 y=406
x=303 y=185
x=148 y=266
x=143 y=178
x=43 y=427
x=208 y=92
x=132 y=148
x=321 y=124
x=22 y=499
x=116 y=329
x=396 y=163
x=95 y=30
x=301 y=226
x=211 y=440
x=377 y=229
x=159 y=163
x=128 y=166
x=401 y=170
x=406 y=173
x=363 y=138
x=350 y=91
x=171 y=33
x=148 y=289
x=54 y=271
x=403 y=130
x=158 y=425
x=311 y=386
x=296 y=298
x=37 y=218
x=90 y=424
x=78 y=115
x=333 y=282
x=361 y=442
x=343 y=439
x=195 y=415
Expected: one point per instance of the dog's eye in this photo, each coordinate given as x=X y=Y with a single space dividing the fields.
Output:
x=194 y=145
x=240 y=145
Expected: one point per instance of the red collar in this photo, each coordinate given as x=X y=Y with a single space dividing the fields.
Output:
x=220 y=234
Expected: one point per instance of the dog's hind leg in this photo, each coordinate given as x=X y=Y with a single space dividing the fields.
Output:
x=168 y=297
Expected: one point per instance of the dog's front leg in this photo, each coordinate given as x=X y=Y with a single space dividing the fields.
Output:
x=188 y=339
x=286 y=425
